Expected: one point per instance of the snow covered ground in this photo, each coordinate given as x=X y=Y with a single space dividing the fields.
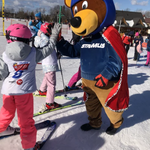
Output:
x=134 y=134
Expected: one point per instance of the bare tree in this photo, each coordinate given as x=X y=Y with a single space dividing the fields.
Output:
x=51 y=17
x=147 y=14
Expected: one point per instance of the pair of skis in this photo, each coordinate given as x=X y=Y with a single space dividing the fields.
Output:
x=61 y=91
x=51 y=126
x=59 y=108
x=59 y=97
x=49 y=131
x=67 y=89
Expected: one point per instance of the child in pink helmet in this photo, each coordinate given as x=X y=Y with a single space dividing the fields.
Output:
x=17 y=69
x=50 y=67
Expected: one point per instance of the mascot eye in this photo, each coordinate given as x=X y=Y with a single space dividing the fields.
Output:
x=75 y=9
x=84 y=5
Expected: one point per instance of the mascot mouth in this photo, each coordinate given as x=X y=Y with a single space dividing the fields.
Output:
x=83 y=32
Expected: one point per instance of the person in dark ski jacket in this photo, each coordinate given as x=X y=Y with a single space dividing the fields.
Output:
x=126 y=38
x=137 y=39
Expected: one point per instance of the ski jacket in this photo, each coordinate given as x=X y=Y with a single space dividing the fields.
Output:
x=50 y=62
x=21 y=78
x=102 y=54
x=126 y=39
x=147 y=40
x=137 y=39
x=17 y=67
x=35 y=26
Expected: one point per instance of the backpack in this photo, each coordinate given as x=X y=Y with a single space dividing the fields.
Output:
x=139 y=48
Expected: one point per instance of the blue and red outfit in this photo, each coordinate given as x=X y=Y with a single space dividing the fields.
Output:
x=103 y=62
x=87 y=49
x=106 y=56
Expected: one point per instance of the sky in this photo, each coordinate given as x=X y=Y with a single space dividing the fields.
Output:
x=131 y=5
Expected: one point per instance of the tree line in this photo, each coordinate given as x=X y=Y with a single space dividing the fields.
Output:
x=52 y=16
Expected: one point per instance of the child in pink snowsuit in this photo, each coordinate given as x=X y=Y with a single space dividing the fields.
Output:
x=75 y=78
x=50 y=67
x=17 y=69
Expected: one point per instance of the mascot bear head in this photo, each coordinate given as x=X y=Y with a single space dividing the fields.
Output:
x=91 y=16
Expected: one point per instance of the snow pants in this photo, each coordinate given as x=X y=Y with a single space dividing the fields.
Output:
x=75 y=78
x=136 y=54
x=96 y=101
x=48 y=84
x=24 y=106
x=127 y=46
x=148 y=58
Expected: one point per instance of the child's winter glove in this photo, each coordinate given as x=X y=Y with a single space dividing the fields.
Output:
x=101 y=81
x=55 y=31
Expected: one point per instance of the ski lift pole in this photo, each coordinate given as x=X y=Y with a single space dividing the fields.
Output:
x=59 y=59
x=3 y=16
x=60 y=15
x=119 y=26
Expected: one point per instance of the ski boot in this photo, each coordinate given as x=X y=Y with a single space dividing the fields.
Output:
x=49 y=106
x=39 y=92
x=10 y=131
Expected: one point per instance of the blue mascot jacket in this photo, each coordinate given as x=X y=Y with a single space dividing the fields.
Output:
x=97 y=57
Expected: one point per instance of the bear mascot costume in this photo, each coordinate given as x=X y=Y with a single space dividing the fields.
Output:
x=103 y=61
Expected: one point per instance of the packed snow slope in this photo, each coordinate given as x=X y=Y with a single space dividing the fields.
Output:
x=134 y=134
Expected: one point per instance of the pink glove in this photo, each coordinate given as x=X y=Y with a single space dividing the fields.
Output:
x=39 y=33
x=101 y=81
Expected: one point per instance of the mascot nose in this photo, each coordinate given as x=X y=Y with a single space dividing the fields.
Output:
x=76 y=22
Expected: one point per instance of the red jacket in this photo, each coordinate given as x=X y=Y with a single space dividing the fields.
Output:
x=126 y=39
x=118 y=98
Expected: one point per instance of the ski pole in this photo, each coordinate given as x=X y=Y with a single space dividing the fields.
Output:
x=62 y=77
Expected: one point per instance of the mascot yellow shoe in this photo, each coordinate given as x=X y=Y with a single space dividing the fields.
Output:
x=103 y=61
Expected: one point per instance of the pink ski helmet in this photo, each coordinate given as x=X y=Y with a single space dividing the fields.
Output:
x=18 y=32
x=46 y=28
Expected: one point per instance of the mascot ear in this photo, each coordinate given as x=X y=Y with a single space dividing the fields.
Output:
x=67 y=3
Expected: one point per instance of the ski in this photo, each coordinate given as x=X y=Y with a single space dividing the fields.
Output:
x=43 y=124
x=58 y=97
x=17 y=131
x=38 y=126
x=63 y=107
x=48 y=133
x=78 y=87
x=66 y=97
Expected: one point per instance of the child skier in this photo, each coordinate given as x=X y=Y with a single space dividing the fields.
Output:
x=50 y=67
x=77 y=76
x=17 y=69
x=34 y=25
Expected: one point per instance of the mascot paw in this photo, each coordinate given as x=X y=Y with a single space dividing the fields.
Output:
x=101 y=81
